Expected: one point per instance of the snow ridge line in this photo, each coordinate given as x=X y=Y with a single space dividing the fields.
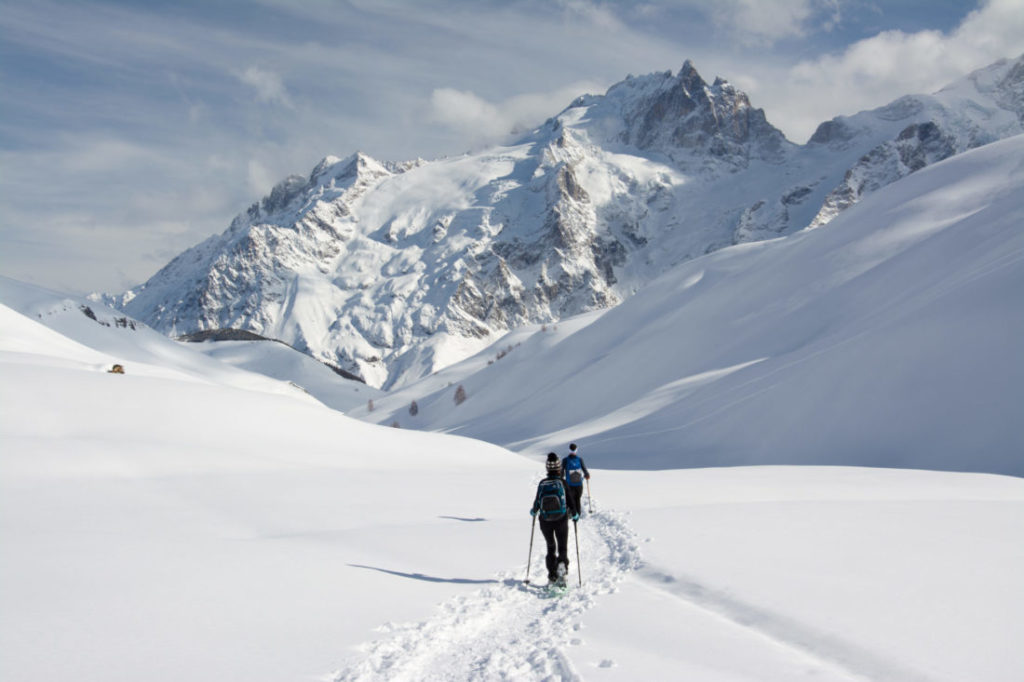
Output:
x=507 y=631
x=819 y=645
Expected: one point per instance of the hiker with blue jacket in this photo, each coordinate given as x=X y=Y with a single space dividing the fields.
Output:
x=555 y=506
x=575 y=473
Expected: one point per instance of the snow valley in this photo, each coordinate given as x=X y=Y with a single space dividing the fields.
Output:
x=228 y=509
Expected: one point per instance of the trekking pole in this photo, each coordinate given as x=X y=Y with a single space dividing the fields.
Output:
x=533 y=526
x=576 y=532
x=590 y=498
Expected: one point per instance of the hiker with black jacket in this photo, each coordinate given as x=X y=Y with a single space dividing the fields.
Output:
x=555 y=505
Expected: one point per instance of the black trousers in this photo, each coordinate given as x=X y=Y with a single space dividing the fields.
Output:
x=577 y=492
x=556 y=535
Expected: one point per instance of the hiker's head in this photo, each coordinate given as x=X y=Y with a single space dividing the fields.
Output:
x=572 y=447
x=554 y=465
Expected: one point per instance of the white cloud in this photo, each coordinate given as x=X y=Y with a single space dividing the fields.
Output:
x=466 y=112
x=764 y=22
x=269 y=86
x=261 y=180
x=874 y=71
x=598 y=14
x=482 y=121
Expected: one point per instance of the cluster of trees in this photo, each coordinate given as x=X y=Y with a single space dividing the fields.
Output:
x=414 y=408
x=503 y=352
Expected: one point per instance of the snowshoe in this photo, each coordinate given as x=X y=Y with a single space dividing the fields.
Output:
x=554 y=590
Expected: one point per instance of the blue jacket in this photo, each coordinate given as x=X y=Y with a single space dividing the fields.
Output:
x=574 y=463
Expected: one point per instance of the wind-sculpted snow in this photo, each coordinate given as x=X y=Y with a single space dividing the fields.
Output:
x=509 y=630
x=391 y=271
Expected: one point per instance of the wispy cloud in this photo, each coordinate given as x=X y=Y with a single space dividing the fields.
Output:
x=600 y=14
x=268 y=85
x=764 y=22
x=483 y=122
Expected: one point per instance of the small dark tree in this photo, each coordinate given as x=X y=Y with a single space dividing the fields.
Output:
x=460 y=395
x=414 y=409
x=369 y=405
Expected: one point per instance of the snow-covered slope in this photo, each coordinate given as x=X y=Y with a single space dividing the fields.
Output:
x=159 y=527
x=125 y=341
x=892 y=337
x=280 y=361
x=392 y=271
x=286 y=364
x=163 y=528
x=113 y=338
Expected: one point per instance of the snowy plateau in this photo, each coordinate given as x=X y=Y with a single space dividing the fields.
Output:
x=803 y=418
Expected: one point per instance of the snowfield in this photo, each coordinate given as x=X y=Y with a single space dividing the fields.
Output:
x=158 y=526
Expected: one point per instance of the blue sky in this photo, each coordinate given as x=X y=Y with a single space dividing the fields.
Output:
x=132 y=130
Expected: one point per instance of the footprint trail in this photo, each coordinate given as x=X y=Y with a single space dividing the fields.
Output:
x=505 y=631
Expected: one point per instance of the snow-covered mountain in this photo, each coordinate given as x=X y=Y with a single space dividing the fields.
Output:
x=891 y=337
x=392 y=271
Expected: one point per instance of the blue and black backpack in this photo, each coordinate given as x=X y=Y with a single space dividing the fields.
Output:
x=551 y=497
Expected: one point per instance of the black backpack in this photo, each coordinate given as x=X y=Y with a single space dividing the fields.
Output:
x=551 y=496
x=574 y=470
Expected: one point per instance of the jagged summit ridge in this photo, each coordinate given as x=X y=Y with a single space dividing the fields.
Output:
x=393 y=270
x=681 y=116
x=686 y=113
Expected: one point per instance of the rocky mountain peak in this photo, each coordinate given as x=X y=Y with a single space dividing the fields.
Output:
x=690 y=79
x=699 y=126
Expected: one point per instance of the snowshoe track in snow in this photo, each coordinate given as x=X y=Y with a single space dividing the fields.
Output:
x=506 y=631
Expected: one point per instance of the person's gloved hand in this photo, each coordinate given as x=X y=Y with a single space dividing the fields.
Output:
x=575 y=517
x=533 y=512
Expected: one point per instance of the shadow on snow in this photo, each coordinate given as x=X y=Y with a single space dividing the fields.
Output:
x=427 y=578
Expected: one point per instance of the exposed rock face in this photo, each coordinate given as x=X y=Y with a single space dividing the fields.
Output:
x=686 y=118
x=391 y=271
x=1009 y=91
x=916 y=146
